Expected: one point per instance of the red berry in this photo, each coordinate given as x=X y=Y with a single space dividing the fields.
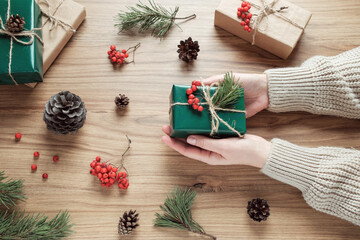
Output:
x=200 y=108
x=126 y=185
x=247 y=21
x=249 y=29
x=97 y=168
x=249 y=6
x=190 y=101
x=123 y=174
x=126 y=55
x=105 y=175
x=45 y=176
x=246 y=9
x=118 y=55
x=249 y=16
x=56 y=159
x=111 y=181
x=114 y=169
x=109 y=52
x=239 y=9
x=123 y=51
x=103 y=164
x=246 y=27
x=99 y=175
x=92 y=165
x=243 y=4
x=242 y=23
x=243 y=15
x=193 y=88
x=103 y=170
x=33 y=167
x=103 y=184
x=196 y=100
x=113 y=47
x=92 y=171
x=120 y=61
x=113 y=59
x=195 y=106
x=189 y=91
x=109 y=168
x=191 y=96
x=121 y=186
x=18 y=136
x=197 y=83
x=238 y=14
x=36 y=154
x=97 y=164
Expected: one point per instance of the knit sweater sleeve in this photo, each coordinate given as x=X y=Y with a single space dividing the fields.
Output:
x=321 y=85
x=328 y=177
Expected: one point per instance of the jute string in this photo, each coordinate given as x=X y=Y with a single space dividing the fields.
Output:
x=215 y=118
x=30 y=34
x=54 y=21
x=265 y=10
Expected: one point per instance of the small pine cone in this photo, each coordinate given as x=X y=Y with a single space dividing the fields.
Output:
x=188 y=50
x=258 y=209
x=122 y=101
x=128 y=222
x=15 y=24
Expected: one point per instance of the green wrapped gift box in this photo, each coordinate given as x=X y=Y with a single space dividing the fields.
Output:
x=26 y=60
x=185 y=121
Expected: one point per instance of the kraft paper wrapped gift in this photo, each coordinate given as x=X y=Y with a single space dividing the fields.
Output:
x=56 y=36
x=277 y=32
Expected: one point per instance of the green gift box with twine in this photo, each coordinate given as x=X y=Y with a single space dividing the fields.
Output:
x=21 y=52
x=185 y=121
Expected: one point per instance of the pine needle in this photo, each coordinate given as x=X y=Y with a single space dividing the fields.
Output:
x=177 y=212
x=11 y=191
x=228 y=93
x=21 y=226
x=145 y=17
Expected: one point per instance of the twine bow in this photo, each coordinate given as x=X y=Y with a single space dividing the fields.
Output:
x=54 y=21
x=31 y=34
x=213 y=109
x=265 y=10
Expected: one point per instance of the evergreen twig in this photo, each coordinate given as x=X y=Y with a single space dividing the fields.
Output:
x=21 y=226
x=145 y=17
x=177 y=212
x=11 y=191
x=228 y=93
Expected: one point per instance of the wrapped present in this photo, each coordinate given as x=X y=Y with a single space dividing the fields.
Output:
x=276 y=25
x=21 y=46
x=211 y=121
x=60 y=19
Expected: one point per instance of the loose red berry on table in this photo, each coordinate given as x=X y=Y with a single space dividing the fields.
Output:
x=34 y=167
x=56 y=159
x=36 y=154
x=189 y=91
x=45 y=176
x=113 y=47
x=200 y=108
x=18 y=136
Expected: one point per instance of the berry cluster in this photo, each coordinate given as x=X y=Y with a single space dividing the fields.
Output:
x=116 y=56
x=192 y=100
x=245 y=15
x=108 y=174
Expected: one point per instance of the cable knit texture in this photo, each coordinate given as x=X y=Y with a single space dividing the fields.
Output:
x=328 y=177
x=321 y=85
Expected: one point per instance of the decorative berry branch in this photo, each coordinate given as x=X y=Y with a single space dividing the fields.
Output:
x=145 y=17
x=118 y=57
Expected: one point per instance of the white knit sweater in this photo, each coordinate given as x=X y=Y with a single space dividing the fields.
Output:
x=328 y=177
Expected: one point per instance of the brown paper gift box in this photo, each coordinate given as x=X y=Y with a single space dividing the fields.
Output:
x=274 y=34
x=55 y=40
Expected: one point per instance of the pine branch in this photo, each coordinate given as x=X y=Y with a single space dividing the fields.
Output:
x=145 y=17
x=228 y=93
x=177 y=212
x=10 y=191
x=21 y=226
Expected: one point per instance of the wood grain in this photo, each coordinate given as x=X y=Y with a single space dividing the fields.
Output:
x=84 y=69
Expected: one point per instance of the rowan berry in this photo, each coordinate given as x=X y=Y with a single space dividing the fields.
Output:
x=45 y=176
x=190 y=101
x=114 y=169
x=97 y=168
x=249 y=16
x=123 y=51
x=200 y=108
x=109 y=52
x=195 y=106
x=93 y=164
x=239 y=14
x=113 y=47
x=103 y=170
x=99 y=175
x=92 y=171
x=105 y=175
x=189 y=91
x=36 y=154
x=246 y=27
x=34 y=167
x=109 y=168
x=243 y=4
x=113 y=59
x=197 y=83
x=243 y=15
x=56 y=159
x=18 y=136
x=196 y=100
x=191 y=96
x=126 y=55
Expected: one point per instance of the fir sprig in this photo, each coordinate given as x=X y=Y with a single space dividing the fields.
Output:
x=228 y=92
x=21 y=226
x=145 y=17
x=177 y=212
x=11 y=191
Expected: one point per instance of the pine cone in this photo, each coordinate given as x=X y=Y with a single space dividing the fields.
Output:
x=15 y=24
x=64 y=113
x=128 y=222
x=188 y=50
x=122 y=101
x=258 y=209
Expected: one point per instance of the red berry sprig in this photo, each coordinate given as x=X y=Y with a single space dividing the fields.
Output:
x=118 y=57
x=192 y=100
x=245 y=15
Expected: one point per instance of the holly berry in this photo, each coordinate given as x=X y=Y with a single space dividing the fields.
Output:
x=36 y=154
x=56 y=159
x=45 y=176
x=34 y=167
x=18 y=136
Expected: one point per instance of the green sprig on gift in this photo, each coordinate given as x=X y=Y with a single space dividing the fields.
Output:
x=228 y=92
x=149 y=16
x=177 y=212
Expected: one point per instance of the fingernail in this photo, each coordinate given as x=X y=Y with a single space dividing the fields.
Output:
x=191 y=140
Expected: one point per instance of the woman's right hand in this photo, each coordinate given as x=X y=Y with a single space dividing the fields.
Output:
x=255 y=87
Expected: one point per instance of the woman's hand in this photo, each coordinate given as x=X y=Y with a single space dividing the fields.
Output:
x=251 y=150
x=256 y=90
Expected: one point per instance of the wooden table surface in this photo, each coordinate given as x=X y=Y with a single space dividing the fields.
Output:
x=84 y=69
